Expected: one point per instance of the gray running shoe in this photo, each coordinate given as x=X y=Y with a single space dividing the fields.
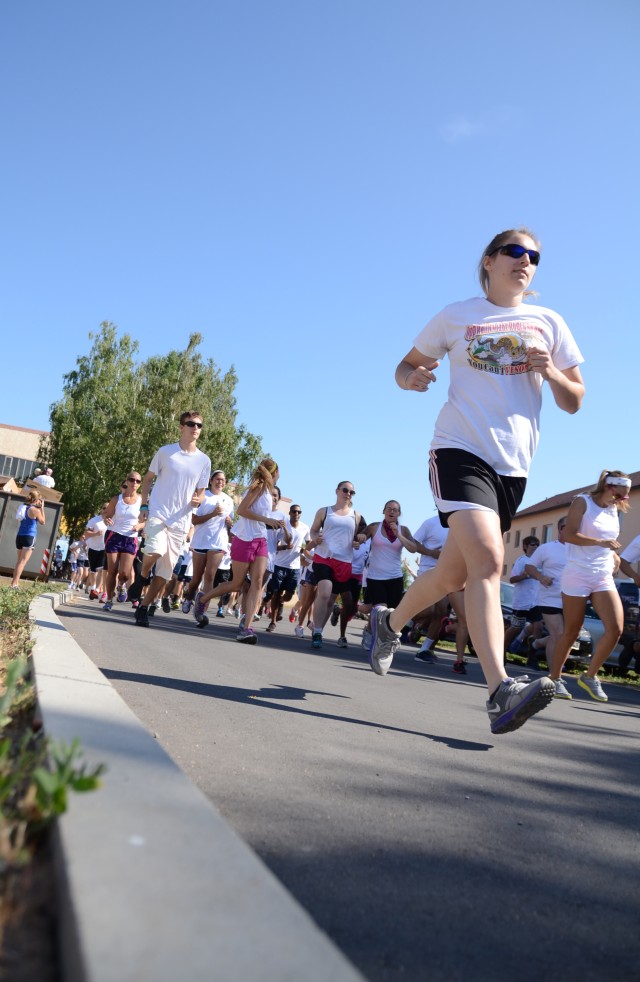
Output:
x=199 y=608
x=515 y=700
x=246 y=635
x=593 y=687
x=384 y=641
x=186 y=606
x=342 y=642
x=366 y=638
x=561 y=690
x=108 y=604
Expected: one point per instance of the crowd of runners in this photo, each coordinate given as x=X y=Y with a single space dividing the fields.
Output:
x=199 y=549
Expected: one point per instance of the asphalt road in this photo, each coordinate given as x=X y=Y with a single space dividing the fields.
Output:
x=424 y=846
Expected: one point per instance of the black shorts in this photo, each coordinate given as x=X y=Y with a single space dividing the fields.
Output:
x=96 y=559
x=25 y=541
x=457 y=475
x=354 y=587
x=550 y=610
x=284 y=579
x=387 y=592
x=222 y=576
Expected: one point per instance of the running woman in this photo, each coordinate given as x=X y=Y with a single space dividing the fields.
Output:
x=501 y=352
x=210 y=539
x=334 y=532
x=591 y=534
x=249 y=550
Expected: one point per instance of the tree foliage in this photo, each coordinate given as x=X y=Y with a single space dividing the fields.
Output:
x=115 y=412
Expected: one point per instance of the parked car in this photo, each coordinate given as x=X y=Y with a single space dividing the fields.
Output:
x=581 y=648
x=630 y=596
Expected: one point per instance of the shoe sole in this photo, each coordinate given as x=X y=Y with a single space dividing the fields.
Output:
x=250 y=639
x=566 y=696
x=204 y=622
x=375 y=665
x=591 y=693
x=516 y=717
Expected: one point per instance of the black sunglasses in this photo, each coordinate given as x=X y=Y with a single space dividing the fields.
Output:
x=515 y=251
x=135 y=480
x=295 y=511
x=347 y=491
x=192 y=423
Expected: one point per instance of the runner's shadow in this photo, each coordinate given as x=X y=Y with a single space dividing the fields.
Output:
x=264 y=697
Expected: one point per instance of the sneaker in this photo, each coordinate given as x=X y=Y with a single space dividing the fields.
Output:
x=108 y=604
x=270 y=628
x=460 y=667
x=366 y=638
x=236 y=612
x=152 y=609
x=103 y=598
x=186 y=606
x=199 y=608
x=427 y=657
x=384 y=641
x=142 y=616
x=316 y=639
x=292 y=617
x=335 y=615
x=175 y=604
x=593 y=687
x=220 y=612
x=342 y=642
x=135 y=604
x=257 y=617
x=246 y=635
x=93 y=595
x=515 y=700
x=299 y=631
x=166 y=605
x=122 y=594
x=561 y=691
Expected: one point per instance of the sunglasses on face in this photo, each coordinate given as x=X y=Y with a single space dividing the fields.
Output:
x=134 y=480
x=348 y=491
x=295 y=512
x=515 y=251
x=192 y=423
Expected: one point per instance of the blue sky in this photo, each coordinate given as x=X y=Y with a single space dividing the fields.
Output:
x=306 y=185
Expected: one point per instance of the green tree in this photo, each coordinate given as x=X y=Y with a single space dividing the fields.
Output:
x=115 y=412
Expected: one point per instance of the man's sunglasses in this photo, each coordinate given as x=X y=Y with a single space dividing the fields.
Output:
x=515 y=251
x=192 y=423
x=347 y=491
x=295 y=511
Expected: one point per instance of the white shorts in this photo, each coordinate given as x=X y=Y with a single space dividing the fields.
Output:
x=579 y=582
x=163 y=542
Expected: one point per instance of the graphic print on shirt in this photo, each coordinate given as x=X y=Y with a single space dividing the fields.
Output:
x=502 y=348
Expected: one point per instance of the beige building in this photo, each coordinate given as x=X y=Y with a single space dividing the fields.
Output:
x=541 y=520
x=19 y=451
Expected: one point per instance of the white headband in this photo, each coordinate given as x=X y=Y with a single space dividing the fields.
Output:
x=624 y=482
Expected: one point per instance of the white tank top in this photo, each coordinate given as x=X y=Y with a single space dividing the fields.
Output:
x=338 y=532
x=245 y=528
x=597 y=523
x=384 y=560
x=125 y=517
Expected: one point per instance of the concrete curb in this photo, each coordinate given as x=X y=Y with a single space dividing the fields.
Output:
x=154 y=885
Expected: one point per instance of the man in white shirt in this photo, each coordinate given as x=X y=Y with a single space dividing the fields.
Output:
x=45 y=480
x=172 y=488
x=94 y=539
x=545 y=566
x=286 y=565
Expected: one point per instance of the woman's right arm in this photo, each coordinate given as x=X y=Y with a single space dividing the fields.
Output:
x=572 y=531
x=415 y=371
x=247 y=503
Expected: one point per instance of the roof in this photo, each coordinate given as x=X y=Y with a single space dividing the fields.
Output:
x=22 y=429
x=564 y=500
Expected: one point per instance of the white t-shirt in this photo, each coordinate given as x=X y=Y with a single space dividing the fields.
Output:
x=632 y=552
x=494 y=399
x=98 y=527
x=290 y=558
x=596 y=523
x=431 y=535
x=360 y=557
x=550 y=559
x=526 y=591
x=45 y=481
x=245 y=528
x=212 y=534
x=178 y=476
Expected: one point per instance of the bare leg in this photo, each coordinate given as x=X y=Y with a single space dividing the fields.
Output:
x=21 y=562
x=608 y=607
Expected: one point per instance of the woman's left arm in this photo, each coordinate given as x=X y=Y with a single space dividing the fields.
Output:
x=567 y=386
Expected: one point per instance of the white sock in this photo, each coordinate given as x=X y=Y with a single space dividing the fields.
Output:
x=426 y=644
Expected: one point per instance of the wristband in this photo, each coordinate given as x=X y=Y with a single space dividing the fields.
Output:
x=146 y=507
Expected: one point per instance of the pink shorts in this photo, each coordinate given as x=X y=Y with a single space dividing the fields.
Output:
x=245 y=552
x=579 y=582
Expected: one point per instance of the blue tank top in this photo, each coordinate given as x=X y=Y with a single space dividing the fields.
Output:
x=28 y=526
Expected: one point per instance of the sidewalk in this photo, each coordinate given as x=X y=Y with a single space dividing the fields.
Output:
x=154 y=885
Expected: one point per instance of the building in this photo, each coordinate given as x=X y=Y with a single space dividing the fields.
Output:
x=19 y=451
x=541 y=520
